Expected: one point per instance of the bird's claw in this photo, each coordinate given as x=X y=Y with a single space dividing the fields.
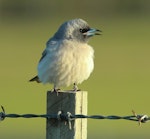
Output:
x=55 y=91
x=75 y=88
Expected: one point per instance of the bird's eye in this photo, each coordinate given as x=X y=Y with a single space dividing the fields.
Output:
x=84 y=30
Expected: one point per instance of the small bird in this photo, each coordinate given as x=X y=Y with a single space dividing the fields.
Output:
x=67 y=58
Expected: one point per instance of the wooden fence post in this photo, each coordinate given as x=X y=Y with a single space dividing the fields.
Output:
x=66 y=101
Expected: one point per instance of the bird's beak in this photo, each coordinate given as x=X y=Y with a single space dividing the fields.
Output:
x=92 y=32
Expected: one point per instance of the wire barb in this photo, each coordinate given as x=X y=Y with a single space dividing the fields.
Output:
x=59 y=115
x=2 y=114
x=69 y=119
x=140 y=118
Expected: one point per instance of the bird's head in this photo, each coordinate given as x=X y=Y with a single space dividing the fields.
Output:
x=76 y=29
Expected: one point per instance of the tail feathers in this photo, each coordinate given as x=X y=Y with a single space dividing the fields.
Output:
x=36 y=78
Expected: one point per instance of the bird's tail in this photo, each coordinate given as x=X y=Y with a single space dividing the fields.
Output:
x=36 y=78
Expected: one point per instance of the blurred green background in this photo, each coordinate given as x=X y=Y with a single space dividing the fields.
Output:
x=121 y=78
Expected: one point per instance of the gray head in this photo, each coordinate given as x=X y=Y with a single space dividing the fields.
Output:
x=76 y=29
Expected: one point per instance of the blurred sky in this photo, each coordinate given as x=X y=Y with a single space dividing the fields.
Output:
x=121 y=78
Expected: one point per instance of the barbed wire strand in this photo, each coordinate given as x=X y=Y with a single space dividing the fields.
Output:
x=69 y=117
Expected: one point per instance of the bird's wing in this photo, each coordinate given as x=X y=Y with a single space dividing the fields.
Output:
x=43 y=55
x=51 y=45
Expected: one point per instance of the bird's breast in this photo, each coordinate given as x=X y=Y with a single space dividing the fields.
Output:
x=70 y=63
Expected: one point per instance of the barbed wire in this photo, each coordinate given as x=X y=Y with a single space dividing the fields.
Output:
x=69 y=117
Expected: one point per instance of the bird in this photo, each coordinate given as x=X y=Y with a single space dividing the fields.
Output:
x=68 y=59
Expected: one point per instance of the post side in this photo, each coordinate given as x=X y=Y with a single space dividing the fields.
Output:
x=66 y=101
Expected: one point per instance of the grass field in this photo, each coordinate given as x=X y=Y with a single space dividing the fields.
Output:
x=119 y=83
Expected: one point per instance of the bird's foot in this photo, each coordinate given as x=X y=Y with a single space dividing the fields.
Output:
x=75 y=88
x=55 y=91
